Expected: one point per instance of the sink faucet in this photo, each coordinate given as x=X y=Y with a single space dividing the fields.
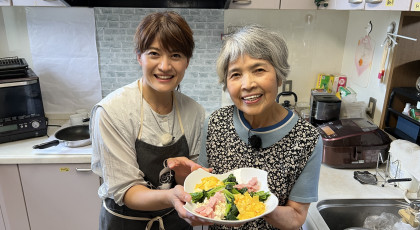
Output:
x=411 y=214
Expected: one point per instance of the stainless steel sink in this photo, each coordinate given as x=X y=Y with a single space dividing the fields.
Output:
x=340 y=214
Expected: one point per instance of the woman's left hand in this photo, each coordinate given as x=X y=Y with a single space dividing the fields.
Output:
x=182 y=167
x=180 y=197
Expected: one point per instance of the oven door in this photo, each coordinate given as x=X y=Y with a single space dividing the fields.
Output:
x=20 y=99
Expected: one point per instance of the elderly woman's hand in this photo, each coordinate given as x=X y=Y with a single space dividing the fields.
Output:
x=182 y=167
x=178 y=199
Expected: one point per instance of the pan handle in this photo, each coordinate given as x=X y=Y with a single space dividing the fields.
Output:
x=399 y=180
x=46 y=144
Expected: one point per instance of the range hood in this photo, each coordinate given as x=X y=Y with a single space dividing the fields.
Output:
x=195 y=4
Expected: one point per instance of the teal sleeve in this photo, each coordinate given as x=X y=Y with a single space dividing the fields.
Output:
x=306 y=188
x=202 y=158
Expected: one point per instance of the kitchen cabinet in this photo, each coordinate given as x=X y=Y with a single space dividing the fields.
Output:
x=254 y=4
x=302 y=4
x=38 y=3
x=346 y=5
x=401 y=5
x=12 y=202
x=404 y=68
x=5 y=3
x=415 y=5
x=61 y=196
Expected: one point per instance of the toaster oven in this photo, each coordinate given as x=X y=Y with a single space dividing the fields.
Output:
x=22 y=111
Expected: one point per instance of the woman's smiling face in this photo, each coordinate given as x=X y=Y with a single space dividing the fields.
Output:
x=252 y=85
x=162 y=70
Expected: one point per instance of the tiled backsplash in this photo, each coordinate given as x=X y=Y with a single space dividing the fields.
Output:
x=115 y=28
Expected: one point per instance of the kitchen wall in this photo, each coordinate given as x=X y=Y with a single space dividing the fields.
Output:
x=320 y=41
x=367 y=84
x=324 y=41
x=315 y=39
x=14 y=39
x=115 y=28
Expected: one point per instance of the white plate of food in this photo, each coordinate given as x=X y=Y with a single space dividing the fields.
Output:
x=248 y=192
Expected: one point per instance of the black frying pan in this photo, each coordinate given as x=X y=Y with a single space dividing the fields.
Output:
x=72 y=136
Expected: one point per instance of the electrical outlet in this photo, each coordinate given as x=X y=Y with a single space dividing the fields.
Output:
x=287 y=86
x=370 y=111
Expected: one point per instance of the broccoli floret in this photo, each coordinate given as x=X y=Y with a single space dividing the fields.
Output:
x=229 y=196
x=230 y=178
x=228 y=207
x=197 y=197
x=235 y=191
x=213 y=191
x=229 y=185
x=232 y=213
x=229 y=213
x=243 y=190
x=262 y=196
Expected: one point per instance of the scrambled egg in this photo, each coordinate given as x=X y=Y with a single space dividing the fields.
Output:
x=248 y=206
x=207 y=183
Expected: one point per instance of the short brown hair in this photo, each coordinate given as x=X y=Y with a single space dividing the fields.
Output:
x=170 y=28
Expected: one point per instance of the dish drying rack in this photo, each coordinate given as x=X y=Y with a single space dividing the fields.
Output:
x=385 y=174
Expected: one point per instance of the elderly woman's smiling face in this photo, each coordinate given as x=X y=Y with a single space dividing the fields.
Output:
x=253 y=86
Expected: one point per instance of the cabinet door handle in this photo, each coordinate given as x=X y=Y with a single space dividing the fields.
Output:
x=83 y=170
x=242 y=2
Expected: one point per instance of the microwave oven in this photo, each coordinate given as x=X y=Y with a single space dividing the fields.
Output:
x=22 y=111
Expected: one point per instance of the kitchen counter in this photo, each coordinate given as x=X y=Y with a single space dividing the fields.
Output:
x=21 y=152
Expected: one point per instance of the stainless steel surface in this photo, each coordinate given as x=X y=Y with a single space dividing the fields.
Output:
x=18 y=83
x=348 y=213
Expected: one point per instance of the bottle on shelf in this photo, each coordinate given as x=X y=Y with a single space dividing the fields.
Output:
x=415 y=112
x=406 y=110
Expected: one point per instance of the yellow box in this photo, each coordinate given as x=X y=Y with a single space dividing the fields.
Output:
x=325 y=82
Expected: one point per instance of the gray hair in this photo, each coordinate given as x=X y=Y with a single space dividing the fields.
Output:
x=257 y=42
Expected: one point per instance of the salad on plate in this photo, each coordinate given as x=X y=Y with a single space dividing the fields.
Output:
x=235 y=197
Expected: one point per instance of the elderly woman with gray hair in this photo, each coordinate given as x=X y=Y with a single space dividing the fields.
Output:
x=257 y=132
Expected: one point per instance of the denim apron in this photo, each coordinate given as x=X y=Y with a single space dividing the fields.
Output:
x=152 y=162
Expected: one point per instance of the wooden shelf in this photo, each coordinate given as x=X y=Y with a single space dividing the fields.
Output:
x=401 y=94
x=403 y=70
x=404 y=116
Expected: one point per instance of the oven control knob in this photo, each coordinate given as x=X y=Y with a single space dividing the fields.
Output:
x=35 y=124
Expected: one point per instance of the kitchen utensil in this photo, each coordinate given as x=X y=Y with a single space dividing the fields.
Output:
x=365 y=177
x=72 y=136
x=286 y=103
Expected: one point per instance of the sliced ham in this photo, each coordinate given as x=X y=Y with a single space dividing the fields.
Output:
x=252 y=185
x=208 y=209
